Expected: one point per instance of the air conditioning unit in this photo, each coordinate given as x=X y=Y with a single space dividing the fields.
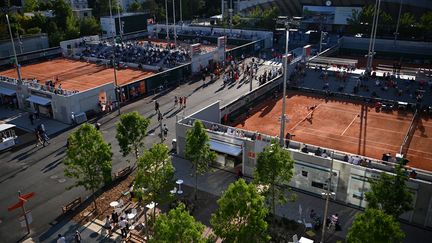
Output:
x=80 y=118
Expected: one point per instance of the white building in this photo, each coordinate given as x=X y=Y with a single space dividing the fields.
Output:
x=80 y=8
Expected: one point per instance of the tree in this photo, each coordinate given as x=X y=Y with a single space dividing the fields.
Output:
x=88 y=159
x=131 y=131
x=72 y=29
x=178 y=226
x=390 y=193
x=89 y=26
x=62 y=12
x=375 y=226
x=135 y=6
x=155 y=174
x=30 y=5
x=34 y=30
x=274 y=169
x=198 y=151
x=241 y=214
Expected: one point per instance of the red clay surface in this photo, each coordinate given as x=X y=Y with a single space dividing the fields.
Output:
x=76 y=75
x=345 y=126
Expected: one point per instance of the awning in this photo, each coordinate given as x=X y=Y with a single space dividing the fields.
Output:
x=39 y=100
x=225 y=148
x=7 y=91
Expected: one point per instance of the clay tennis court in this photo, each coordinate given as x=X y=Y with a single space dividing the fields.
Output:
x=345 y=126
x=76 y=75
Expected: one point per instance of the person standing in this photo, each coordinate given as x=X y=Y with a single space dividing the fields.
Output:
x=107 y=226
x=77 y=237
x=181 y=102
x=31 y=117
x=175 y=101
x=38 y=138
x=184 y=102
x=156 y=106
x=61 y=239
x=123 y=229
x=165 y=130
x=115 y=218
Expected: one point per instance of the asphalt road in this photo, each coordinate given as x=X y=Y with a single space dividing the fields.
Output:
x=40 y=170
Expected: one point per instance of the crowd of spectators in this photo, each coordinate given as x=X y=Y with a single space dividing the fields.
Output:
x=211 y=33
x=139 y=52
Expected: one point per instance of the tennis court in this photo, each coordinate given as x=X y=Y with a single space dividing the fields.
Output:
x=76 y=75
x=352 y=127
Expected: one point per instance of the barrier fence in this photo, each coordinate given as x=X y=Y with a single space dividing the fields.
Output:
x=31 y=56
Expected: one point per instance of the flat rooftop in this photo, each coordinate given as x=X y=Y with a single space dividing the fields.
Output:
x=76 y=75
x=352 y=127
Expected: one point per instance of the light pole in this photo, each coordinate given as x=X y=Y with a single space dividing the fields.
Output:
x=282 y=128
x=327 y=196
x=175 y=27
x=398 y=21
x=119 y=21
x=14 y=51
x=373 y=35
x=166 y=19
x=116 y=89
x=181 y=13
x=251 y=76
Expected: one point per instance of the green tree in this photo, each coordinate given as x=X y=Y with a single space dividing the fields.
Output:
x=131 y=131
x=375 y=226
x=155 y=174
x=31 y=5
x=426 y=20
x=72 y=29
x=63 y=13
x=390 y=193
x=34 y=30
x=178 y=226
x=89 y=26
x=198 y=151
x=241 y=213
x=88 y=159
x=274 y=169
x=135 y=7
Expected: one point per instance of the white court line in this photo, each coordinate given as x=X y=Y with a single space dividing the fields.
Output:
x=349 y=124
x=298 y=123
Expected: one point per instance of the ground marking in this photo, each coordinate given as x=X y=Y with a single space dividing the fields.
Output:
x=353 y=120
x=298 y=123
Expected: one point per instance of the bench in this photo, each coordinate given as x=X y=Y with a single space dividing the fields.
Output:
x=135 y=237
x=71 y=205
x=122 y=173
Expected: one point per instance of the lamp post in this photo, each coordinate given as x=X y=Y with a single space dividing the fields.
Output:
x=327 y=195
x=373 y=35
x=282 y=128
x=398 y=22
x=166 y=19
x=14 y=51
x=119 y=21
x=175 y=27
x=116 y=89
x=181 y=13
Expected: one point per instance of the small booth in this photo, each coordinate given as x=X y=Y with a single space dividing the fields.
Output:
x=42 y=105
x=228 y=155
x=8 y=97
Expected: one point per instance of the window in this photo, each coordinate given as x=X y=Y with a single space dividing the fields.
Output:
x=318 y=184
x=304 y=173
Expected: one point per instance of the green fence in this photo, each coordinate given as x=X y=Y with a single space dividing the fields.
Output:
x=246 y=49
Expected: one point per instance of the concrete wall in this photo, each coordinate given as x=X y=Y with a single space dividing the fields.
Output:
x=28 y=44
x=209 y=113
x=410 y=47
